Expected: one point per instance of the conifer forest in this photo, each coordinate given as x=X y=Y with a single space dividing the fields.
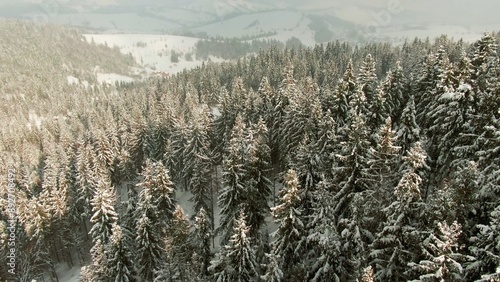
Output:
x=337 y=162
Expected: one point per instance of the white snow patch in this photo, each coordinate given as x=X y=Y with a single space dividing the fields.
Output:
x=448 y=95
x=65 y=274
x=398 y=34
x=290 y=24
x=111 y=78
x=216 y=112
x=72 y=80
x=154 y=51
x=464 y=87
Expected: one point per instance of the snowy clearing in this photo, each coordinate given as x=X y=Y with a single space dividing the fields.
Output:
x=154 y=52
x=112 y=78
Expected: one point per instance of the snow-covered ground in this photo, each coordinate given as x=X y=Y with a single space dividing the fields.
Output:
x=285 y=23
x=153 y=51
x=111 y=78
x=68 y=275
x=397 y=35
x=128 y=22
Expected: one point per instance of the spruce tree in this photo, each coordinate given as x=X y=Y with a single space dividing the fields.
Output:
x=198 y=164
x=120 y=259
x=238 y=256
x=395 y=88
x=408 y=131
x=259 y=189
x=98 y=270
x=103 y=204
x=398 y=240
x=355 y=237
x=201 y=243
x=324 y=257
x=383 y=162
x=350 y=161
x=179 y=248
x=273 y=272
x=367 y=78
x=346 y=88
x=150 y=251
x=442 y=259
x=235 y=179
x=486 y=249
x=301 y=117
x=157 y=184
x=289 y=244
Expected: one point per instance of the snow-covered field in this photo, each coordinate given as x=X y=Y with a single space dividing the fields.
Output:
x=154 y=51
x=397 y=35
x=128 y=22
x=285 y=23
x=110 y=78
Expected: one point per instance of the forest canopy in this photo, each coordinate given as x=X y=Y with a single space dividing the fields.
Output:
x=331 y=163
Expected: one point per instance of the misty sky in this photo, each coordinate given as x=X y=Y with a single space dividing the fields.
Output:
x=458 y=12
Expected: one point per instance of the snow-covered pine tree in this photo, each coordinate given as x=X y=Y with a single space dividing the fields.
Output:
x=351 y=160
x=85 y=158
x=395 y=88
x=98 y=270
x=381 y=175
x=325 y=260
x=231 y=106
x=325 y=144
x=135 y=140
x=157 y=184
x=198 y=162
x=202 y=236
x=269 y=102
x=235 y=178
x=273 y=272
x=150 y=252
x=218 y=268
x=426 y=85
x=290 y=237
x=367 y=78
x=447 y=115
x=259 y=189
x=442 y=258
x=398 y=240
x=346 y=88
x=103 y=207
x=179 y=248
x=105 y=152
x=239 y=255
x=488 y=146
x=156 y=135
x=120 y=259
x=301 y=115
x=408 y=131
x=485 y=246
x=355 y=237
x=484 y=63
x=197 y=146
x=379 y=110
x=128 y=219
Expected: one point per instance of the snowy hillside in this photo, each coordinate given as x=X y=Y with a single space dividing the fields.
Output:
x=258 y=25
x=154 y=52
x=398 y=35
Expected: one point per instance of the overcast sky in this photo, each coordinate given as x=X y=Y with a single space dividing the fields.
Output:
x=459 y=12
